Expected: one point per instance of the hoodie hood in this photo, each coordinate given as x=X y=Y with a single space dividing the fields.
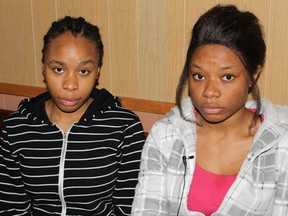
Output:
x=185 y=126
x=271 y=112
x=34 y=108
x=188 y=113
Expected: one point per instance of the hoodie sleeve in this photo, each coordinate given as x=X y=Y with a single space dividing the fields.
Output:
x=281 y=190
x=150 y=196
x=13 y=197
x=129 y=162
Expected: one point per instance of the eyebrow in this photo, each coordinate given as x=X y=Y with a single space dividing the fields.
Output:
x=228 y=67
x=87 y=62
x=56 y=62
x=194 y=65
x=63 y=64
x=223 y=68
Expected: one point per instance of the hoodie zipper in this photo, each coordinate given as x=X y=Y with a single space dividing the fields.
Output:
x=61 y=174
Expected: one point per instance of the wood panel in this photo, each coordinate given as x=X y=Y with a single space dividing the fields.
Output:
x=145 y=42
x=123 y=46
x=16 y=42
x=160 y=47
x=277 y=59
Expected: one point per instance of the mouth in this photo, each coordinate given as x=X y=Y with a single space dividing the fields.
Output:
x=212 y=109
x=69 y=102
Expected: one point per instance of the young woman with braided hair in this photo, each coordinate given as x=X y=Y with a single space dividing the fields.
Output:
x=73 y=150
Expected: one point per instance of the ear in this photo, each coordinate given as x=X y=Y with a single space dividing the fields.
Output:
x=255 y=76
x=43 y=70
x=43 y=74
x=257 y=73
x=98 y=74
x=98 y=71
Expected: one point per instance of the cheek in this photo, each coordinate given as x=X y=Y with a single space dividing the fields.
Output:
x=87 y=84
x=236 y=98
x=87 y=81
x=241 y=89
x=195 y=93
x=53 y=82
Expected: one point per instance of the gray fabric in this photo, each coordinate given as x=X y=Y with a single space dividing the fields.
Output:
x=261 y=187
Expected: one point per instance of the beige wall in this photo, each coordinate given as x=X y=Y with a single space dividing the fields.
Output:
x=145 y=41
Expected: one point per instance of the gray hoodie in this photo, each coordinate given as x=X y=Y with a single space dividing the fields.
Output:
x=168 y=161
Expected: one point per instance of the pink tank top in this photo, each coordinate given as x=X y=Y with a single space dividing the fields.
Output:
x=208 y=190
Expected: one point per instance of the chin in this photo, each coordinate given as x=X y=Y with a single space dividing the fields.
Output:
x=214 y=119
x=69 y=109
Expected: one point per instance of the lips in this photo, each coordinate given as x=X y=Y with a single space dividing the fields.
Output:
x=212 y=109
x=69 y=102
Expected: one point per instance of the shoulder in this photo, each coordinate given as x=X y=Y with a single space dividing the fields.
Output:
x=273 y=114
x=275 y=111
x=12 y=118
x=107 y=105
x=276 y=116
x=275 y=123
x=172 y=133
x=270 y=110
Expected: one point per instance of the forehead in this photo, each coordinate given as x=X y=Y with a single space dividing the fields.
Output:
x=217 y=54
x=68 y=39
x=214 y=49
x=67 y=43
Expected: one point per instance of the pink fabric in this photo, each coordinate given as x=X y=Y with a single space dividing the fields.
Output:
x=254 y=110
x=208 y=190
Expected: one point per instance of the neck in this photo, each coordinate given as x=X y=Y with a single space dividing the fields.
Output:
x=64 y=120
x=237 y=125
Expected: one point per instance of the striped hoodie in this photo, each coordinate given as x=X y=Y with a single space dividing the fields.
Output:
x=90 y=170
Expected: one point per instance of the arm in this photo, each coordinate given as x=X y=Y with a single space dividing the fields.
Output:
x=129 y=163
x=150 y=196
x=281 y=193
x=13 y=197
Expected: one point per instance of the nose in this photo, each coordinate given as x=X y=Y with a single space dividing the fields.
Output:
x=211 y=90
x=70 y=82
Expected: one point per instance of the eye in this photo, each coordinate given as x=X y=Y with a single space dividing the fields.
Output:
x=198 y=76
x=58 y=70
x=84 y=72
x=228 y=77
